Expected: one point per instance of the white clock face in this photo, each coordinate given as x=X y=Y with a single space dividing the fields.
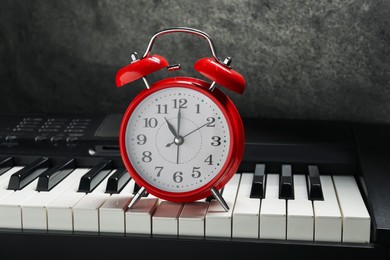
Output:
x=177 y=139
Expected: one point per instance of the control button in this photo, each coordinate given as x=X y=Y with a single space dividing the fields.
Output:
x=11 y=138
x=41 y=138
x=56 y=139
x=32 y=119
x=71 y=140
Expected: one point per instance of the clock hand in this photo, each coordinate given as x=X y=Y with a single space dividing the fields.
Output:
x=171 y=128
x=177 y=154
x=178 y=122
x=196 y=129
x=178 y=134
x=169 y=144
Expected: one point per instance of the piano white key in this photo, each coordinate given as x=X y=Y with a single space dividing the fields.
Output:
x=10 y=210
x=34 y=212
x=59 y=211
x=356 y=220
x=219 y=221
x=327 y=216
x=165 y=218
x=4 y=179
x=246 y=210
x=86 y=210
x=139 y=217
x=112 y=212
x=300 y=217
x=272 y=211
x=192 y=219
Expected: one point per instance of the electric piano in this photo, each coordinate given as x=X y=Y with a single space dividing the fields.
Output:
x=304 y=190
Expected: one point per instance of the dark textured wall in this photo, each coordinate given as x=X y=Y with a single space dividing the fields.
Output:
x=301 y=59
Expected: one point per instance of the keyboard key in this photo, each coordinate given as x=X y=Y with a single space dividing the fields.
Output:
x=6 y=164
x=192 y=219
x=356 y=220
x=286 y=186
x=4 y=180
x=300 y=218
x=314 y=181
x=139 y=217
x=219 y=221
x=117 y=181
x=94 y=176
x=27 y=174
x=246 y=210
x=327 y=215
x=86 y=211
x=112 y=212
x=165 y=218
x=258 y=184
x=272 y=211
x=59 y=211
x=51 y=177
x=10 y=210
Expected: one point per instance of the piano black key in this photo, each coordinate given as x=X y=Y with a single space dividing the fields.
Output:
x=94 y=176
x=286 y=186
x=51 y=177
x=6 y=164
x=137 y=188
x=117 y=181
x=21 y=178
x=258 y=184
x=314 y=184
x=209 y=198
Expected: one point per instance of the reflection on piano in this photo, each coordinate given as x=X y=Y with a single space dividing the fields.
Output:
x=304 y=189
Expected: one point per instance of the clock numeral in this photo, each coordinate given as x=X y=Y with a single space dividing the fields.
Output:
x=216 y=141
x=162 y=109
x=182 y=103
x=195 y=172
x=141 y=139
x=211 y=121
x=147 y=156
x=159 y=170
x=198 y=108
x=150 y=122
x=209 y=159
x=177 y=177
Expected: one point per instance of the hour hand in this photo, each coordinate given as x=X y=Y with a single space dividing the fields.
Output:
x=171 y=127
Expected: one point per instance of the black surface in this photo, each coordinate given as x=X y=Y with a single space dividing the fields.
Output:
x=93 y=177
x=68 y=246
x=117 y=181
x=373 y=143
x=286 y=183
x=23 y=177
x=51 y=177
x=258 y=183
x=6 y=164
x=299 y=143
x=314 y=184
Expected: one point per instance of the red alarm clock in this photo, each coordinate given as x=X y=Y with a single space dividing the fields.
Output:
x=182 y=139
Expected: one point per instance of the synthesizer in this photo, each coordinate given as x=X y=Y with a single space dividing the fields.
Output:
x=304 y=189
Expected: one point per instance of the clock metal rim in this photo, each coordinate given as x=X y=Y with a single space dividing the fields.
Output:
x=234 y=123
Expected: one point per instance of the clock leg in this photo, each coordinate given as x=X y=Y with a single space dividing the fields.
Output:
x=137 y=197
x=219 y=198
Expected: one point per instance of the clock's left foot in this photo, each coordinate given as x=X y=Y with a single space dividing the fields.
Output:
x=137 y=197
